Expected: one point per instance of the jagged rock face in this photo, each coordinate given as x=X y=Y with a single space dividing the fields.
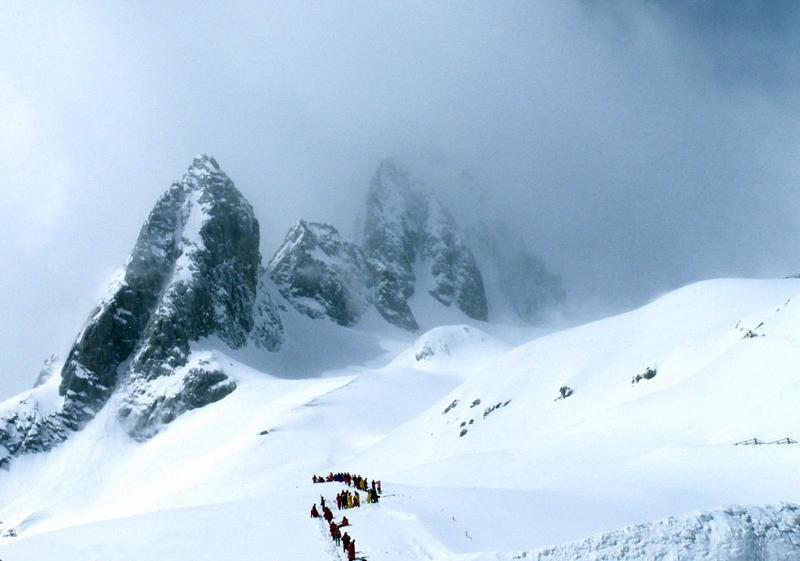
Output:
x=456 y=276
x=389 y=241
x=193 y=273
x=406 y=225
x=321 y=274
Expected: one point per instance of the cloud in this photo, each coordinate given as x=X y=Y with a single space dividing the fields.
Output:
x=34 y=194
x=636 y=146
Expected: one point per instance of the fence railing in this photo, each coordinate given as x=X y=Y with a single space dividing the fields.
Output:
x=757 y=442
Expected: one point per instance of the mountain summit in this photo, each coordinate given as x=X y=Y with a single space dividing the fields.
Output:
x=195 y=279
x=194 y=273
x=410 y=239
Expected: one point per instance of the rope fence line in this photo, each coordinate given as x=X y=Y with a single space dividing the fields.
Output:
x=757 y=442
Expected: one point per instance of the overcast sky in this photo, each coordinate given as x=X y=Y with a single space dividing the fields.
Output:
x=637 y=146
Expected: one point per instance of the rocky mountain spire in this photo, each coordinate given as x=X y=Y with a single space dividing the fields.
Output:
x=195 y=272
x=322 y=274
x=407 y=227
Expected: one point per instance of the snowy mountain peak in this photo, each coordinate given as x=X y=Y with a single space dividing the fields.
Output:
x=410 y=239
x=193 y=273
x=392 y=175
x=321 y=274
x=203 y=163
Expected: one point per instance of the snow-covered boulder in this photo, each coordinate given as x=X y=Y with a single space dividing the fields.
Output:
x=455 y=344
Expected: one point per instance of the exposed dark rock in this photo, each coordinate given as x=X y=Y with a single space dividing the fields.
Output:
x=450 y=407
x=150 y=411
x=406 y=226
x=564 y=392
x=648 y=374
x=193 y=273
x=425 y=353
x=489 y=410
x=321 y=274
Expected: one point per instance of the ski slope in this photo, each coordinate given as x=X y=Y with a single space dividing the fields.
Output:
x=232 y=480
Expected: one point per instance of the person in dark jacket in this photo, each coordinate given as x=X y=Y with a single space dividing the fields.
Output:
x=345 y=541
x=327 y=514
x=351 y=551
x=314 y=512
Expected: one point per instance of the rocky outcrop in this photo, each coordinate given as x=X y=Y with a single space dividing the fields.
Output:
x=406 y=229
x=321 y=274
x=193 y=273
x=456 y=277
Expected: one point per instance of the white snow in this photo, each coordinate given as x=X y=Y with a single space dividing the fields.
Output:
x=529 y=474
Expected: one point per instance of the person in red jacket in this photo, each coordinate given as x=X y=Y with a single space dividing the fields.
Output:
x=345 y=521
x=314 y=513
x=327 y=514
x=351 y=551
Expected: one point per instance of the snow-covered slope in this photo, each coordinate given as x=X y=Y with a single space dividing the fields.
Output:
x=732 y=534
x=481 y=454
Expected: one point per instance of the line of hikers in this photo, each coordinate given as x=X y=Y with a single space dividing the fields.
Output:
x=344 y=500
x=348 y=479
x=348 y=544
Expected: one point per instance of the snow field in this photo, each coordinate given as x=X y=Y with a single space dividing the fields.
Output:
x=532 y=473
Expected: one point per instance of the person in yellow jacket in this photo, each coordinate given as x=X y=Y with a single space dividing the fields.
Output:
x=350 y=500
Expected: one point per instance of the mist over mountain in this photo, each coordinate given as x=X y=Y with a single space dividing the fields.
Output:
x=196 y=275
x=493 y=280
x=636 y=147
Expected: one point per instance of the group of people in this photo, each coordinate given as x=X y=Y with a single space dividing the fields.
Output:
x=343 y=539
x=350 y=480
x=344 y=500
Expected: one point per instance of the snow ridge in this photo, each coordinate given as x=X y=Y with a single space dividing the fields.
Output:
x=737 y=533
